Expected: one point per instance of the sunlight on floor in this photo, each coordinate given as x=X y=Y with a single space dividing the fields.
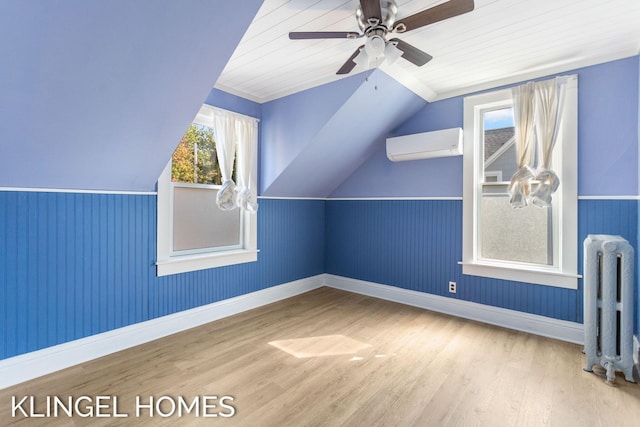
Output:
x=328 y=345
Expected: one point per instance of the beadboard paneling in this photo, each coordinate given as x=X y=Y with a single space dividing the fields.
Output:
x=616 y=217
x=416 y=245
x=74 y=265
x=291 y=244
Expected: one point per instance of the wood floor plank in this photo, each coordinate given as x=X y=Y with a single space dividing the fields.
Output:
x=333 y=358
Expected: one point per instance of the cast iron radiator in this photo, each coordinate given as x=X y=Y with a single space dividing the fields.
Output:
x=608 y=305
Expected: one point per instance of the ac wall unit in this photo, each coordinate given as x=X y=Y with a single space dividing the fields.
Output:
x=440 y=143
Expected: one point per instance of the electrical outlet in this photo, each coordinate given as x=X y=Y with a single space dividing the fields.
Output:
x=452 y=287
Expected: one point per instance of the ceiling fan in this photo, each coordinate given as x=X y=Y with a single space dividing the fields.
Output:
x=376 y=19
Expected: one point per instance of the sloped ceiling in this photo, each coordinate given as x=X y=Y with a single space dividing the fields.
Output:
x=338 y=144
x=499 y=42
x=290 y=123
x=95 y=94
x=438 y=177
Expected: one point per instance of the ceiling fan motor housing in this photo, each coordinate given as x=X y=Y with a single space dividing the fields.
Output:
x=389 y=10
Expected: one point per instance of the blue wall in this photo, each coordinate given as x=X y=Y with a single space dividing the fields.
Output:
x=291 y=123
x=607 y=143
x=345 y=140
x=74 y=265
x=77 y=264
x=95 y=94
x=416 y=245
x=441 y=177
x=234 y=103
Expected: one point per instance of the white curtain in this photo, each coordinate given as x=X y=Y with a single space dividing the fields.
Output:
x=536 y=106
x=523 y=116
x=247 y=137
x=549 y=105
x=224 y=125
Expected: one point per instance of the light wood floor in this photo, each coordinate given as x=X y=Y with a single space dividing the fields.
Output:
x=340 y=359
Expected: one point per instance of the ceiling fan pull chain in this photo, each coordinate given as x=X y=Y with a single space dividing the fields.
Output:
x=375 y=83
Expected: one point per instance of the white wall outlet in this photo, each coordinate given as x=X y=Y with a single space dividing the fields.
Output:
x=452 y=287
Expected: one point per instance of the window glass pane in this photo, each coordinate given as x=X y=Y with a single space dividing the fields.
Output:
x=199 y=224
x=500 y=160
x=195 y=159
x=508 y=234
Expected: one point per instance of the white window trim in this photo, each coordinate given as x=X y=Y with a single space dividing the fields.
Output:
x=564 y=274
x=169 y=263
x=494 y=174
x=166 y=263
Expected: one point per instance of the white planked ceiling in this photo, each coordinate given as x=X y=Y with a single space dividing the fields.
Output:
x=500 y=42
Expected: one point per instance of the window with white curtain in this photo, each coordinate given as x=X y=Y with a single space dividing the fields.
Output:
x=207 y=195
x=508 y=232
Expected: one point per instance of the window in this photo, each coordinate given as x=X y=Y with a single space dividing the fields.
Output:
x=198 y=225
x=530 y=244
x=193 y=232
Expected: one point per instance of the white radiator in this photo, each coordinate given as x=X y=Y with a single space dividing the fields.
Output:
x=608 y=305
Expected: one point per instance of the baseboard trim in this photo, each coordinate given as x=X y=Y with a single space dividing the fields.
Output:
x=531 y=323
x=35 y=364
x=18 y=369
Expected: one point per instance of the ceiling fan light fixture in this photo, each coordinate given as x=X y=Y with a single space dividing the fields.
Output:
x=392 y=53
x=362 y=59
x=374 y=46
x=376 y=19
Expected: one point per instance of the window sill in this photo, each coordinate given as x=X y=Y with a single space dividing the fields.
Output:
x=185 y=263
x=539 y=276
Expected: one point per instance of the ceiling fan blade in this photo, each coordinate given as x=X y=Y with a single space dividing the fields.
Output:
x=350 y=64
x=371 y=9
x=434 y=14
x=307 y=35
x=412 y=53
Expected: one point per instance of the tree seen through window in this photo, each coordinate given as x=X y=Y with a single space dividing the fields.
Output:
x=195 y=159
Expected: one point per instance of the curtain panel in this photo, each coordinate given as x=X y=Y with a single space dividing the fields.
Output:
x=236 y=133
x=537 y=113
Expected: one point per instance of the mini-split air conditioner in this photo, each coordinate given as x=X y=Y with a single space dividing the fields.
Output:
x=440 y=143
